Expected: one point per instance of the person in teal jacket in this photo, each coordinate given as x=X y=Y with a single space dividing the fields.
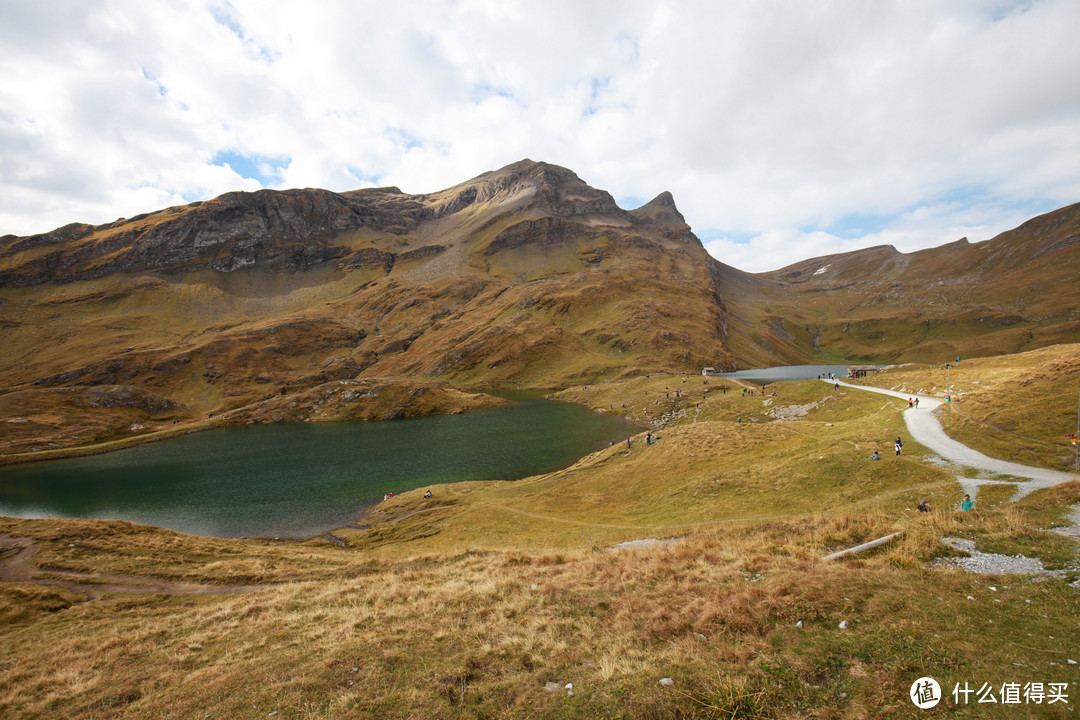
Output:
x=967 y=504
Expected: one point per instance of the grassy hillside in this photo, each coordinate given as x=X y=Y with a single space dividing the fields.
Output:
x=479 y=634
x=466 y=604
x=1012 y=293
x=1015 y=407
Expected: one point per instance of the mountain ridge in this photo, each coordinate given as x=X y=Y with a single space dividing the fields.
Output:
x=524 y=276
x=520 y=277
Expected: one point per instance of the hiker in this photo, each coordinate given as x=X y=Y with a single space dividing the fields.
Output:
x=899 y=444
x=910 y=403
x=648 y=438
x=967 y=504
x=836 y=386
x=875 y=456
x=427 y=494
x=916 y=403
x=628 y=446
x=923 y=507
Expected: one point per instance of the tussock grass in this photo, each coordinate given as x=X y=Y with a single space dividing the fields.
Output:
x=478 y=634
x=464 y=605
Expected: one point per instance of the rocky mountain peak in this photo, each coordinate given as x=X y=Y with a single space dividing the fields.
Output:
x=661 y=212
x=553 y=189
x=660 y=209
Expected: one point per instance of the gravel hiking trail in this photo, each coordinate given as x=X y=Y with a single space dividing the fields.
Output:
x=926 y=430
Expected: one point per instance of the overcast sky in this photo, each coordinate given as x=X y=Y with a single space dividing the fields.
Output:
x=785 y=130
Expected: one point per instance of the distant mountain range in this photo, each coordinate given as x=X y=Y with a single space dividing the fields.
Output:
x=521 y=277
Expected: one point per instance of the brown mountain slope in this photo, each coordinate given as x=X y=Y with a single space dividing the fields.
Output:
x=253 y=306
x=524 y=276
x=1017 y=291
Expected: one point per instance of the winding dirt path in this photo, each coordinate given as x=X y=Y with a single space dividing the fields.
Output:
x=926 y=430
x=17 y=565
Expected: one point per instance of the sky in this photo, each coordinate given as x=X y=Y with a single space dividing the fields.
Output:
x=784 y=130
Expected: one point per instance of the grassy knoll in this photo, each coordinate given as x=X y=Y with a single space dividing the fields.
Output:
x=466 y=604
x=1015 y=407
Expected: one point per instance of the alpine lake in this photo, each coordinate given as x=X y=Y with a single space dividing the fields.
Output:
x=303 y=479
x=298 y=480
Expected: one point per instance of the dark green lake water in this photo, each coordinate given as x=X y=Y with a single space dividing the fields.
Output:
x=298 y=480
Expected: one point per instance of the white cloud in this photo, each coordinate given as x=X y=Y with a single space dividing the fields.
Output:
x=797 y=128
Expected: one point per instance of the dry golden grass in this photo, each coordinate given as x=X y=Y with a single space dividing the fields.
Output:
x=479 y=634
x=466 y=604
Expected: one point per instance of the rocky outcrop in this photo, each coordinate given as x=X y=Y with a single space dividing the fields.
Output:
x=276 y=230
x=362 y=400
x=128 y=396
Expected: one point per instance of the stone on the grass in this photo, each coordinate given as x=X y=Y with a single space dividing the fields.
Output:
x=552 y=687
x=843 y=625
x=666 y=681
x=798 y=624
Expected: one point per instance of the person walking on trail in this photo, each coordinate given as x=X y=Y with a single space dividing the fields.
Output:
x=899 y=444
x=628 y=446
x=916 y=403
x=967 y=504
